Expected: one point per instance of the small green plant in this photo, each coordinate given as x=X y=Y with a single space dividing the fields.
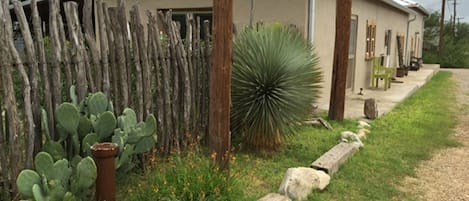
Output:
x=133 y=138
x=188 y=177
x=57 y=180
x=275 y=81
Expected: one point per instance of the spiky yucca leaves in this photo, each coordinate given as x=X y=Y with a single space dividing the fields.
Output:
x=275 y=81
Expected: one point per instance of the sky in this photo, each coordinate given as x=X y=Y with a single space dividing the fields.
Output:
x=435 y=5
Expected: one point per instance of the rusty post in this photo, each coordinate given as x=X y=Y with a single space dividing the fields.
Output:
x=104 y=154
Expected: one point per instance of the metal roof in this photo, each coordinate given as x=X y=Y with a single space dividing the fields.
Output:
x=413 y=5
x=399 y=6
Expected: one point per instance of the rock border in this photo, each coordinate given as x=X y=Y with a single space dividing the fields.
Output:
x=299 y=182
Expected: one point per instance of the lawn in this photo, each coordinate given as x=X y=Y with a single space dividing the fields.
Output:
x=400 y=140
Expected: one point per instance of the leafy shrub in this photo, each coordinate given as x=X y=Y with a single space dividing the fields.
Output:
x=455 y=52
x=275 y=80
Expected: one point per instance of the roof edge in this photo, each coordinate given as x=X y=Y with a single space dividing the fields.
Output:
x=419 y=8
x=399 y=7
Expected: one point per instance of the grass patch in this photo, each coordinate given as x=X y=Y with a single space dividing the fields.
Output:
x=409 y=134
x=399 y=141
x=181 y=177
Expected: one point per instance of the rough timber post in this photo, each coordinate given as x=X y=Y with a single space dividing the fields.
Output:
x=442 y=25
x=339 y=73
x=220 y=82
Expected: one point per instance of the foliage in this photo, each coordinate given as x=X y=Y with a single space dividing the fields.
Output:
x=188 y=177
x=275 y=80
x=57 y=180
x=398 y=142
x=455 y=43
x=92 y=121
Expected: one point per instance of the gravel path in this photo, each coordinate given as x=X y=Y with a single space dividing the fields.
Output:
x=445 y=177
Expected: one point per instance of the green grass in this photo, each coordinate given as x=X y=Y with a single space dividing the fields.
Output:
x=398 y=142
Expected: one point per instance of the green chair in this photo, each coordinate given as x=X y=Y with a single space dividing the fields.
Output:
x=381 y=72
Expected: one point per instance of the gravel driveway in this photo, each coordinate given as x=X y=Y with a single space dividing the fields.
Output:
x=445 y=177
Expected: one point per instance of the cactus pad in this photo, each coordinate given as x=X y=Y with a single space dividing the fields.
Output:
x=25 y=182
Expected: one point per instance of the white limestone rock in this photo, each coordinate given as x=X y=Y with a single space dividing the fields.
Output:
x=362 y=133
x=274 y=197
x=299 y=182
x=363 y=124
x=349 y=136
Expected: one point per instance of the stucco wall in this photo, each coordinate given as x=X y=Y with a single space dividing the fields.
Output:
x=285 y=11
x=324 y=38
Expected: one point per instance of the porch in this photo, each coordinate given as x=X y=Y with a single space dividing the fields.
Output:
x=386 y=100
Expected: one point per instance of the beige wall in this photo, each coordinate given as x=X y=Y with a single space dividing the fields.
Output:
x=285 y=11
x=324 y=37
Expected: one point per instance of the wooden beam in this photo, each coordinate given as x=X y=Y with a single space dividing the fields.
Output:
x=220 y=82
x=339 y=73
x=331 y=161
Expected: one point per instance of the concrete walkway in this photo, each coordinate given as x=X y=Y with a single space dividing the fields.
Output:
x=387 y=100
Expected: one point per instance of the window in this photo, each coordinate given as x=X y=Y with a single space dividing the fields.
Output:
x=388 y=41
x=179 y=15
x=370 y=39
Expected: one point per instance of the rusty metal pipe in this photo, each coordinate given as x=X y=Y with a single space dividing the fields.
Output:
x=104 y=154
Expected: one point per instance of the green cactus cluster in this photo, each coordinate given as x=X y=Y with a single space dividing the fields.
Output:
x=92 y=121
x=57 y=180
x=80 y=126
x=132 y=137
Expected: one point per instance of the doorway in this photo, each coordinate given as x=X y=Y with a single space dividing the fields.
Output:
x=352 y=53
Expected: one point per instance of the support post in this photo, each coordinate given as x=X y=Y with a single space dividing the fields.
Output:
x=442 y=24
x=339 y=73
x=104 y=154
x=220 y=82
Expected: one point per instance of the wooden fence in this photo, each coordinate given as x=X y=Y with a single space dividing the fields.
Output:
x=147 y=67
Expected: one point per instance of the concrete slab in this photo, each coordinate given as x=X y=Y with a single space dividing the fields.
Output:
x=388 y=99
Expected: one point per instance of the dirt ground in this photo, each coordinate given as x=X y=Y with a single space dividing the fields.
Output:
x=445 y=177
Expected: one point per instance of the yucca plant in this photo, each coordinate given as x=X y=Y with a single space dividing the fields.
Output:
x=275 y=81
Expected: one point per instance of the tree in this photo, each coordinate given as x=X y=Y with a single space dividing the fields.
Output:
x=455 y=46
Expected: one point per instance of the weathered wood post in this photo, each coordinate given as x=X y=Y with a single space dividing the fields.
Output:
x=339 y=73
x=220 y=82
x=442 y=26
x=104 y=154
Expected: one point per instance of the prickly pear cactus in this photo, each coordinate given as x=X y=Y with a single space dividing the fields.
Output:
x=56 y=181
x=44 y=164
x=55 y=149
x=127 y=120
x=97 y=103
x=86 y=173
x=84 y=127
x=68 y=117
x=104 y=125
x=25 y=182
x=89 y=141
